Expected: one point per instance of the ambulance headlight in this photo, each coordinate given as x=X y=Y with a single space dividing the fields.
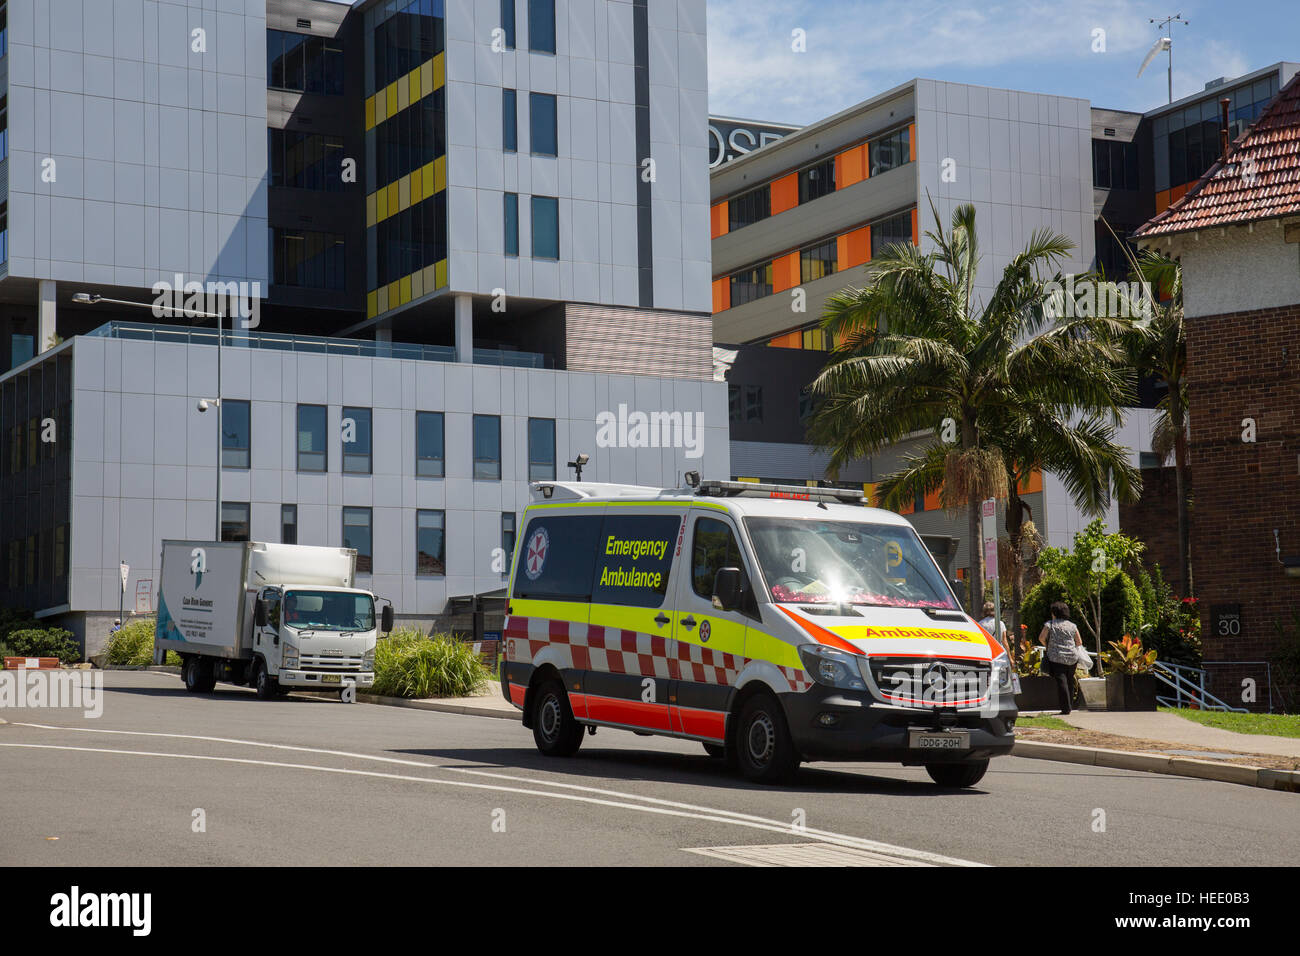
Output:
x=1001 y=677
x=831 y=667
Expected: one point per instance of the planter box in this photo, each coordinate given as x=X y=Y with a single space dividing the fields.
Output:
x=32 y=663
x=1131 y=691
x=1037 y=693
x=1094 y=692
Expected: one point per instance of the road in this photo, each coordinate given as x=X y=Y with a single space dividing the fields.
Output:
x=307 y=781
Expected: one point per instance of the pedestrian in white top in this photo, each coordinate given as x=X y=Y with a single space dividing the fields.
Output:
x=995 y=627
x=1060 y=637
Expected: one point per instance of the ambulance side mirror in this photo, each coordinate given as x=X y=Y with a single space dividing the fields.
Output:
x=386 y=618
x=261 y=613
x=726 y=589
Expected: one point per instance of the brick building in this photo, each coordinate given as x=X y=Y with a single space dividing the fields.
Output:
x=1237 y=234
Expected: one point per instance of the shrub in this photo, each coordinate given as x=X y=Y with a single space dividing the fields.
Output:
x=14 y=619
x=132 y=644
x=1170 y=626
x=1036 y=608
x=1121 y=609
x=45 y=642
x=1128 y=656
x=408 y=664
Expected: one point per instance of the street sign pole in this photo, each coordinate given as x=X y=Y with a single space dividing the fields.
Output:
x=121 y=599
x=989 y=518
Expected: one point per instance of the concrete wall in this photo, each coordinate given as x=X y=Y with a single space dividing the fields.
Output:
x=595 y=175
x=143 y=455
x=159 y=151
x=1239 y=270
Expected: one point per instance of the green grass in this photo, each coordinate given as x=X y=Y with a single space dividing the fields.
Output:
x=1048 y=723
x=1276 y=725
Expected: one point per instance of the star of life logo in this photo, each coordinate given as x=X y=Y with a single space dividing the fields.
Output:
x=535 y=557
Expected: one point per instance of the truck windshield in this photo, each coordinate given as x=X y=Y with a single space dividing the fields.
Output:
x=808 y=561
x=329 y=611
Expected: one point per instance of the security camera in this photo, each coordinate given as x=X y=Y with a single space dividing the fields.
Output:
x=203 y=404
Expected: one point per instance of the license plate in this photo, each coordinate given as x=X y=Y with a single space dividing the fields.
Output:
x=938 y=740
x=331 y=678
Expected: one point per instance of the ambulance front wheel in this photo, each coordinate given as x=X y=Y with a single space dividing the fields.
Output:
x=764 y=749
x=555 y=731
x=957 y=775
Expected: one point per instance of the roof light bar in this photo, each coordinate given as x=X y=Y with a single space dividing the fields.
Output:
x=750 y=489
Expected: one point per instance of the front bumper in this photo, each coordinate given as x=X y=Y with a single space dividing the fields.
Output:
x=867 y=730
x=317 y=679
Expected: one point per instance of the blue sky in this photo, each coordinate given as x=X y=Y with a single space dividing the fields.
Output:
x=858 y=48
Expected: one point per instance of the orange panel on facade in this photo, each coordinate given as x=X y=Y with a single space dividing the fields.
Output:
x=791 y=340
x=851 y=166
x=721 y=294
x=1162 y=200
x=785 y=272
x=916 y=230
x=1177 y=193
x=785 y=193
x=853 y=248
x=1032 y=484
x=718 y=219
x=911 y=141
x=932 y=502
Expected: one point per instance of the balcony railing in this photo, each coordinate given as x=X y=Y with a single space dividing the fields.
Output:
x=320 y=344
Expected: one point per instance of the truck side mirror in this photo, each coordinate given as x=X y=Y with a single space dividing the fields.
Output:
x=386 y=618
x=261 y=613
x=726 y=589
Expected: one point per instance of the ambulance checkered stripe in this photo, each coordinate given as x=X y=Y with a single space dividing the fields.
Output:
x=593 y=647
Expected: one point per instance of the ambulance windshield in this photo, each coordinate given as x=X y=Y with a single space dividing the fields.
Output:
x=808 y=561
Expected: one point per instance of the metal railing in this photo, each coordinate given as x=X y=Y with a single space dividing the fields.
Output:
x=1188 y=684
x=1268 y=675
x=318 y=344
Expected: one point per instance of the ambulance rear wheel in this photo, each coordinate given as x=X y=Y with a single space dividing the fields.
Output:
x=555 y=730
x=957 y=775
x=764 y=749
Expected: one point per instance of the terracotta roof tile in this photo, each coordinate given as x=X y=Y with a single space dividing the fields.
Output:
x=1260 y=180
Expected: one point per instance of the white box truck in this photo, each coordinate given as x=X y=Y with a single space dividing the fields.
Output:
x=268 y=616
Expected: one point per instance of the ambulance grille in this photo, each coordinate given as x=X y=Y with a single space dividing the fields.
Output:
x=906 y=679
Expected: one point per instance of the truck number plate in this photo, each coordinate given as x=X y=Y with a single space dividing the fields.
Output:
x=330 y=678
x=938 y=740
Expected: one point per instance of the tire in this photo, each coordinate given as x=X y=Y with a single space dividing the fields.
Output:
x=957 y=775
x=764 y=749
x=198 y=676
x=555 y=730
x=188 y=674
x=266 y=685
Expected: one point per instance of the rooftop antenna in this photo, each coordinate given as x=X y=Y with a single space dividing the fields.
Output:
x=1165 y=44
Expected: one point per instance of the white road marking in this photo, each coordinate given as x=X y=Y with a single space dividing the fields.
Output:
x=655 y=804
x=799 y=854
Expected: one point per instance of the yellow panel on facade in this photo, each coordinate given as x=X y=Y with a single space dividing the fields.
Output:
x=440 y=270
x=370 y=211
x=417 y=284
x=404 y=290
x=403 y=93
x=394 y=291
x=381 y=300
x=390 y=96
x=413 y=85
x=439 y=70
x=381 y=205
x=417 y=186
x=404 y=192
x=428 y=279
x=372 y=304
x=370 y=112
x=392 y=199
x=440 y=174
x=426 y=78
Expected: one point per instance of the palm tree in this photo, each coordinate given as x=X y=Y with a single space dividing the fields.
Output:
x=918 y=353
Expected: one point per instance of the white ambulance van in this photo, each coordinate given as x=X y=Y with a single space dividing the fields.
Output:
x=774 y=624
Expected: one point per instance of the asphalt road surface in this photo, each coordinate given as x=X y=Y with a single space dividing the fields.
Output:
x=307 y=781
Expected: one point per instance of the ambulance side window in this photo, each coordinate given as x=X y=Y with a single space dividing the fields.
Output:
x=557 y=558
x=714 y=547
x=634 y=558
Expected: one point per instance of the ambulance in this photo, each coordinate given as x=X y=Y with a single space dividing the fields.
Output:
x=774 y=624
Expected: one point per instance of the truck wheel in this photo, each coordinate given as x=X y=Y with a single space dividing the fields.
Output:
x=764 y=749
x=266 y=684
x=198 y=676
x=188 y=674
x=555 y=730
x=957 y=775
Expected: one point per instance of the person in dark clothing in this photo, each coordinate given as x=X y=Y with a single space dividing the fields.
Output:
x=1060 y=637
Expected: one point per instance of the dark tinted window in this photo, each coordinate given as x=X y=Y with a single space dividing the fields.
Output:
x=634 y=556
x=713 y=548
x=234 y=521
x=817 y=181
x=508 y=22
x=311 y=438
x=289 y=524
x=357 y=534
x=544 y=138
x=235 y=430
x=428 y=444
x=749 y=208
x=886 y=232
x=509 y=121
x=546 y=228
x=512 y=224
x=430 y=542
x=541 y=449
x=889 y=151
x=487 y=446
x=557 y=558
x=357 y=433
x=541 y=26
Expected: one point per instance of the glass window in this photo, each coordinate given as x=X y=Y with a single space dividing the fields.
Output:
x=546 y=228
x=303 y=64
x=234 y=521
x=714 y=547
x=512 y=224
x=508 y=538
x=357 y=534
x=819 y=261
x=357 y=440
x=817 y=181
x=753 y=403
x=305 y=259
x=557 y=558
x=311 y=438
x=487 y=447
x=428 y=444
x=508 y=22
x=888 y=151
x=542 y=128
x=235 y=432
x=749 y=208
x=634 y=556
x=815 y=339
x=289 y=524
x=541 y=449
x=888 y=231
x=430 y=542
x=509 y=121
x=22 y=349
x=330 y=610
x=541 y=26
x=750 y=284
